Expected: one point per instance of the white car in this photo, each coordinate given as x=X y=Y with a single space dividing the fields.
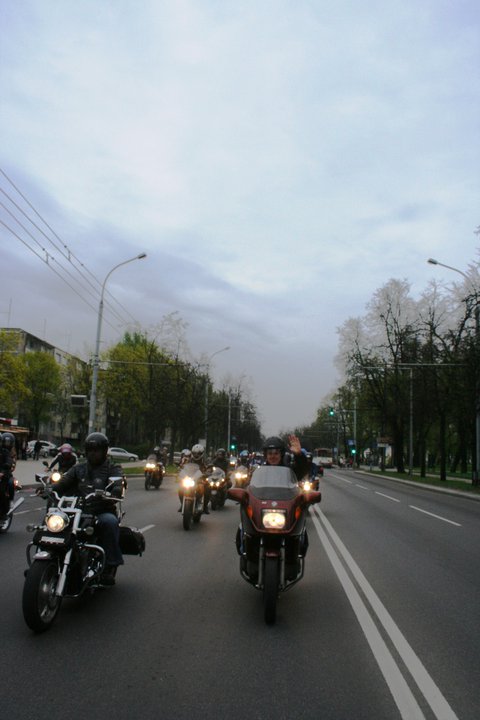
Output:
x=47 y=448
x=120 y=454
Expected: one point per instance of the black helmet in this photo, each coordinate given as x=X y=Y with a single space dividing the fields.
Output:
x=274 y=443
x=8 y=440
x=221 y=452
x=96 y=440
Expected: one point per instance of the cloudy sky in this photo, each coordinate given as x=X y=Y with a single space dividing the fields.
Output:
x=277 y=160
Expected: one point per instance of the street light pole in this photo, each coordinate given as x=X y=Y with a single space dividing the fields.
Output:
x=93 y=391
x=475 y=473
x=207 y=364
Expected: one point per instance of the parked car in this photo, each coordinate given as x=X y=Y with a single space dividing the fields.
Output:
x=48 y=448
x=120 y=454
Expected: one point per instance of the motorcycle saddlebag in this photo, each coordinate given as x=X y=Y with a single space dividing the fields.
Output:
x=132 y=541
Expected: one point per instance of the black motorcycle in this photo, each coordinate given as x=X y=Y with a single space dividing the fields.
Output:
x=218 y=487
x=7 y=506
x=64 y=557
x=154 y=472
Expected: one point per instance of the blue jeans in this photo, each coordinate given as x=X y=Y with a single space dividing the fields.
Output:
x=109 y=537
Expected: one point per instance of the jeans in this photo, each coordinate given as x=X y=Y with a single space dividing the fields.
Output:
x=108 y=532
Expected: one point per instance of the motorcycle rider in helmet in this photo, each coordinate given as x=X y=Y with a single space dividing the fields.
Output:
x=275 y=450
x=198 y=457
x=65 y=459
x=7 y=464
x=220 y=460
x=81 y=479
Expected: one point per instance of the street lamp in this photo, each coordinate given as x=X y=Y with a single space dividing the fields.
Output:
x=475 y=473
x=206 y=391
x=93 y=391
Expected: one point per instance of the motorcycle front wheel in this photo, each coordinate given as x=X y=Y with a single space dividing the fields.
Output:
x=187 y=514
x=148 y=481
x=270 y=589
x=40 y=604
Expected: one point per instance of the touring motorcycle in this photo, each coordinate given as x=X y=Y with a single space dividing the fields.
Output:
x=271 y=539
x=7 y=506
x=64 y=558
x=218 y=487
x=154 y=472
x=240 y=476
x=191 y=493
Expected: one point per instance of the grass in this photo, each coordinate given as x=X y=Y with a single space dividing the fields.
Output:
x=463 y=483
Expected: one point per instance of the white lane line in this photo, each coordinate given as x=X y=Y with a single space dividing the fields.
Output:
x=439 y=517
x=350 y=482
x=389 y=497
x=426 y=684
x=363 y=487
x=407 y=705
x=147 y=527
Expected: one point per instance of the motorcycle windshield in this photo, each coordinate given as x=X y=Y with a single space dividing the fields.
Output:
x=274 y=482
x=190 y=470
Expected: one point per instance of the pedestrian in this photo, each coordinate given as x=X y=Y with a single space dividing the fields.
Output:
x=36 y=450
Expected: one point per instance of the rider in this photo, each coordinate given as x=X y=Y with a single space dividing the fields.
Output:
x=7 y=464
x=220 y=460
x=274 y=452
x=82 y=478
x=65 y=459
x=198 y=457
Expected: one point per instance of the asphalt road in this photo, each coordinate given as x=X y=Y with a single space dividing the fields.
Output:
x=383 y=625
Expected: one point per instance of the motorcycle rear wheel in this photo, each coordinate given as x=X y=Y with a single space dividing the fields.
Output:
x=39 y=603
x=270 y=589
x=187 y=515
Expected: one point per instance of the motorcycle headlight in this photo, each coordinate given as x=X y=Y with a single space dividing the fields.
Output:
x=188 y=482
x=274 y=519
x=56 y=521
x=56 y=476
x=150 y=466
x=307 y=485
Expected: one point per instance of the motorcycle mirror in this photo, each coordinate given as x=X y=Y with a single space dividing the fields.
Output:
x=44 y=462
x=238 y=494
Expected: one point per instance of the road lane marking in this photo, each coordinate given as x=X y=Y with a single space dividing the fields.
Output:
x=406 y=703
x=389 y=497
x=439 y=517
x=362 y=486
x=147 y=527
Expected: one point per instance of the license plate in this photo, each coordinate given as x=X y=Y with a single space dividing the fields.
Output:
x=54 y=540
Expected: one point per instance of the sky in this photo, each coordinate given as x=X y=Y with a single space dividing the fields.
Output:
x=277 y=160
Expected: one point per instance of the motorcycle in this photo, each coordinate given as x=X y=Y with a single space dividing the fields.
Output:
x=271 y=540
x=7 y=506
x=154 y=472
x=191 y=494
x=218 y=487
x=240 y=476
x=64 y=558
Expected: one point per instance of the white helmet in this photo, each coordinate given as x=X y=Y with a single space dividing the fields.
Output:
x=198 y=451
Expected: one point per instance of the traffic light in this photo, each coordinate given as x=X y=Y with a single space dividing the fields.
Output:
x=232 y=446
x=331 y=411
x=353 y=450
x=233 y=443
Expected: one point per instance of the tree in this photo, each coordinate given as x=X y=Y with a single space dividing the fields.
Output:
x=42 y=377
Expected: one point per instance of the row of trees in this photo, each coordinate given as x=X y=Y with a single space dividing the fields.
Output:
x=411 y=377
x=149 y=391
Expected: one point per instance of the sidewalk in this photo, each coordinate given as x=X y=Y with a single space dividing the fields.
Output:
x=25 y=470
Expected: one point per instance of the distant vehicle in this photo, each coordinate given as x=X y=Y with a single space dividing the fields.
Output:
x=116 y=453
x=323 y=457
x=47 y=448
